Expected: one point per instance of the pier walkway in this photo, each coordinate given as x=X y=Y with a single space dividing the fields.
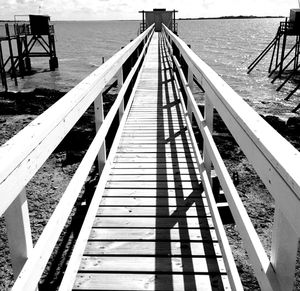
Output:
x=153 y=229
x=153 y=221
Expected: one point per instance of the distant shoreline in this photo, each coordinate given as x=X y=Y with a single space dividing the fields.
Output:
x=183 y=18
x=231 y=17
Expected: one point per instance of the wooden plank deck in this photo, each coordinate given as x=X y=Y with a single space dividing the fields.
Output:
x=153 y=229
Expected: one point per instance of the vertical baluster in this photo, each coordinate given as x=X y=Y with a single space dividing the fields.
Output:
x=99 y=117
x=18 y=232
x=120 y=84
x=208 y=116
x=284 y=250
x=191 y=85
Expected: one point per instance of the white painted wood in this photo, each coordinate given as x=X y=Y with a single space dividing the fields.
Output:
x=233 y=275
x=18 y=232
x=120 y=84
x=208 y=118
x=191 y=86
x=125 y=222
x=74 y=263
x=99 y=117
x=44 y=133
x=34 y=266
x=148 y=281
x=261 y=264
x=275 y=160
x=147 y=265
x=284 y=250
x=70 y=273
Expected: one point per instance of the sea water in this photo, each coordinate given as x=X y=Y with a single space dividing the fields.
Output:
x=227 y=45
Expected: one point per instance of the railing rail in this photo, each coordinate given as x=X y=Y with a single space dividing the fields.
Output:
x=275 y=160
x=25 y=153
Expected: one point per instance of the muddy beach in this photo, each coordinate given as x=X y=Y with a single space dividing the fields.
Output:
x=45 y=189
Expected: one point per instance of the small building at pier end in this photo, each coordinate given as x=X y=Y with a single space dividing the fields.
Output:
x=159 y=16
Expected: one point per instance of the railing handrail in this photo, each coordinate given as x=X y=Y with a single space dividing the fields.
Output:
x=78 y=251
x=14 y=153
x=283 y=157
x=275 y=160
x=21 y=162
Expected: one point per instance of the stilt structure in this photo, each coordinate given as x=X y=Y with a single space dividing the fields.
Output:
x=23 y=36
x=284 y=63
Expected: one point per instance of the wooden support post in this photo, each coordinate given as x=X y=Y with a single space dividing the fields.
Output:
x=2 y=70
x=27 y=58
x=54 y=58
x=273 y=54
x=191 y=85
x=283 y=48
x=277 y=53
x=120 y=84
x=296 y=53
x=13 y=68
x=18 y=232
x=20 y=55
x=174 y=21
x=284 y=250
x=208 y=117
x=99 y=118
x=51 y=65
x=53 y=62
x=144 y=24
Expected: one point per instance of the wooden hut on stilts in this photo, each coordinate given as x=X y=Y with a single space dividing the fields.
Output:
x=284 y=63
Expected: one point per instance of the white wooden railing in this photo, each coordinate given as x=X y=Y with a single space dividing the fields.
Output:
x=25 y=153
x=275 y=160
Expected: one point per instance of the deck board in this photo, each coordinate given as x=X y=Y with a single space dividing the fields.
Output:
x=153 y=229
x=148 y=248
x=149 y=282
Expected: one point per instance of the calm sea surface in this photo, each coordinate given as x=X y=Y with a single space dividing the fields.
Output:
x=228 y=46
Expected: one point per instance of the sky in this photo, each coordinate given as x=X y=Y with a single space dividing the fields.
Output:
x=128 y=9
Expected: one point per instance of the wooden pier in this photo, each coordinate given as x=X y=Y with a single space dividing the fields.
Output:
x=153 y=222
x=153 y=228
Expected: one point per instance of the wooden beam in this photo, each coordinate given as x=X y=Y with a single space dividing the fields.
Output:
x=18 y=232
x=70 y=273
x=232 y=272
x=120 y=84
x=34 y=266
x=44 y=133
x=208 y=122
x=284 y=250
x=99 y=117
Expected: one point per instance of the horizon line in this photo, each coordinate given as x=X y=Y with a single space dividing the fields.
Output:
x=179 y=18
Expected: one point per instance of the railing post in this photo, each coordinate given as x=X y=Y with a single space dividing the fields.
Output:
x=191 y=85
x=99 y=117
x=284 y=250
x=208 y=117
x=120 y=84
x=18 y=232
